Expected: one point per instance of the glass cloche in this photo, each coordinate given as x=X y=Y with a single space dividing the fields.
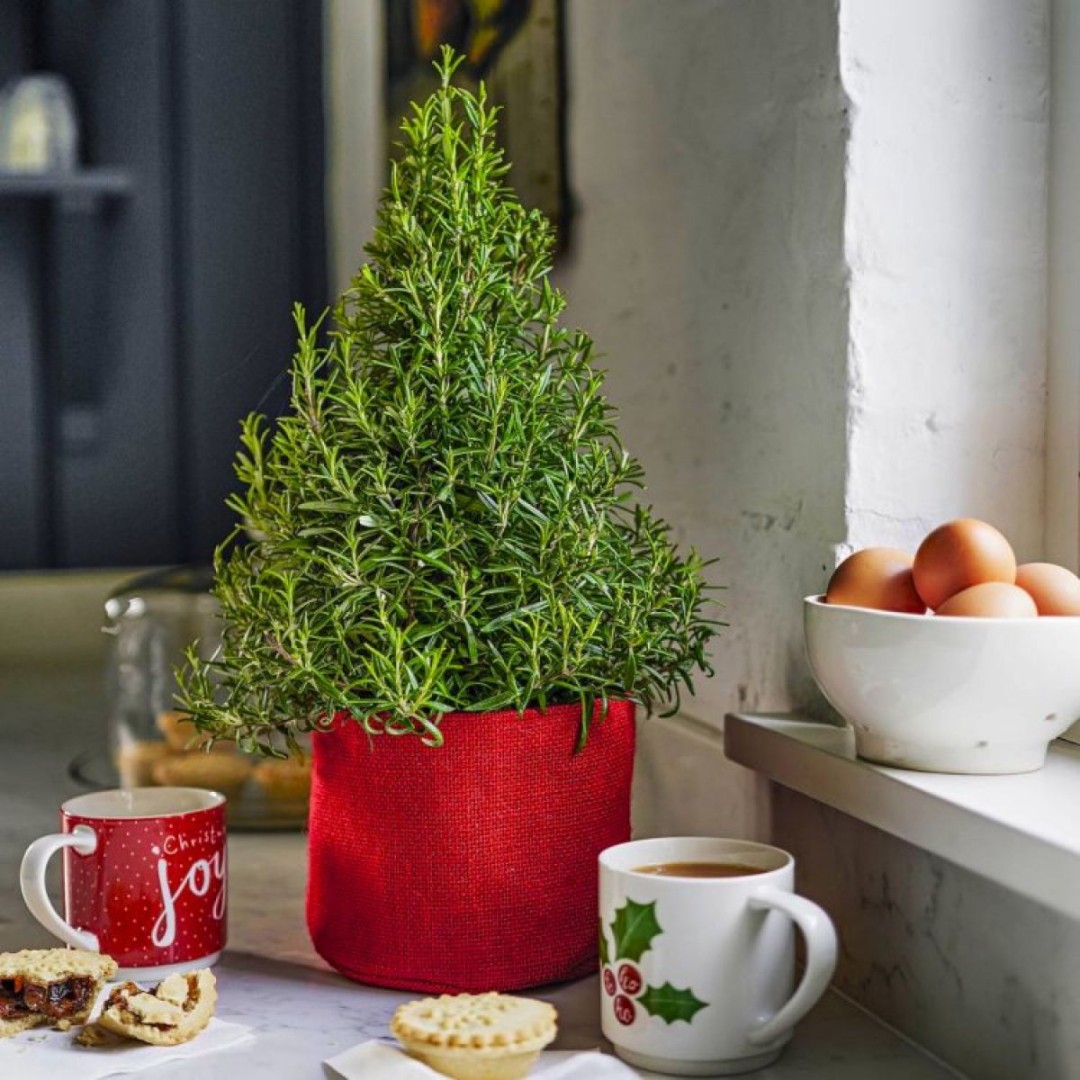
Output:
x=152 y=619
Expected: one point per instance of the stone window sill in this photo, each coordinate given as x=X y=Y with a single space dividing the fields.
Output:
x=1021 y=831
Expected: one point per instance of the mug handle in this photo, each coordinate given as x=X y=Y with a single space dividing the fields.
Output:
x=821 y=948
x=32 y=880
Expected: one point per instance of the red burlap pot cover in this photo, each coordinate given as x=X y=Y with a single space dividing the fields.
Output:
x=470 y=866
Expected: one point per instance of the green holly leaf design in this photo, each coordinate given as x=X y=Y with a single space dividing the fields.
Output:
x=605 y=957
x=671 y=1004
x=634 y=928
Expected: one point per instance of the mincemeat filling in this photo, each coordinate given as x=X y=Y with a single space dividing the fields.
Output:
x=56 y=1000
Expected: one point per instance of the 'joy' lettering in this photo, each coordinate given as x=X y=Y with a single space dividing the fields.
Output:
x=198 y=880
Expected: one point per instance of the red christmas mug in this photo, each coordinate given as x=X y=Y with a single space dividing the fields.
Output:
x=144 y=878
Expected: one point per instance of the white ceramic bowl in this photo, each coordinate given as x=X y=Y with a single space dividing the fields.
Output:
x=946 y=694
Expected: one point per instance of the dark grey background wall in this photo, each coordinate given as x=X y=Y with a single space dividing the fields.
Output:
x=137 y=328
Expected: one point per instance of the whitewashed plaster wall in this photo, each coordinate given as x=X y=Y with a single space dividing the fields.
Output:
x=946 y=240
x=812 y=241
x=1063 y=371
x=706 y=151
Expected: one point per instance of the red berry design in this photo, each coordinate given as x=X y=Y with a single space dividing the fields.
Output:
x=624 y=1010
x=630 y=979
x=609 y=982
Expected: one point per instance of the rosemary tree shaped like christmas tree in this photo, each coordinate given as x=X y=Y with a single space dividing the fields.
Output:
x=442 y=521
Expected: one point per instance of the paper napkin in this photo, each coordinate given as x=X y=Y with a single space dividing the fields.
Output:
x=380 y=1061
x=44 y=1054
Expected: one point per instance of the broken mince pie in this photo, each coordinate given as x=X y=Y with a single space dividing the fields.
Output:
x=176 y=1010
x=43 y=986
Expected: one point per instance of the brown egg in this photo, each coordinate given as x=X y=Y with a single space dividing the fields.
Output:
x=1055 y=590
x=875 y=578
x=990 y=600
x=960 y=554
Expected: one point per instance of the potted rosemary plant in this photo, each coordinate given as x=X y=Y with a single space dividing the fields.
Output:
x=445 y=579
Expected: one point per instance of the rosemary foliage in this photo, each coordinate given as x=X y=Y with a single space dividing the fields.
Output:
x=442 y=519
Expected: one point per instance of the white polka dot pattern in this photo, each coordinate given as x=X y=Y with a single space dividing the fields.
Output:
x=154 y=890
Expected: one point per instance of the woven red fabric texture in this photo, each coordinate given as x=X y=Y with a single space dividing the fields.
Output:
x=471 y=866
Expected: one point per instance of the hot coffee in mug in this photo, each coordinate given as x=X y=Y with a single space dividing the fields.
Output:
x=144 y=878
x=699 y=869
x=697 y=954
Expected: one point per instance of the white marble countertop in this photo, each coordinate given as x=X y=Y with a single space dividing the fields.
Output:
x=270 y=977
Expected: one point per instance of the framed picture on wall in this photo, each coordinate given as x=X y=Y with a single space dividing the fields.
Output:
x=515 y=46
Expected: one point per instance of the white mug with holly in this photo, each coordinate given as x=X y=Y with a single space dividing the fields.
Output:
x=697 y=954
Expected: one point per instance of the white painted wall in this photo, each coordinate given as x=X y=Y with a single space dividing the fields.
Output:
x=1063 y=373
x=946 y=244
x=706 y=155
x=817 y=341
